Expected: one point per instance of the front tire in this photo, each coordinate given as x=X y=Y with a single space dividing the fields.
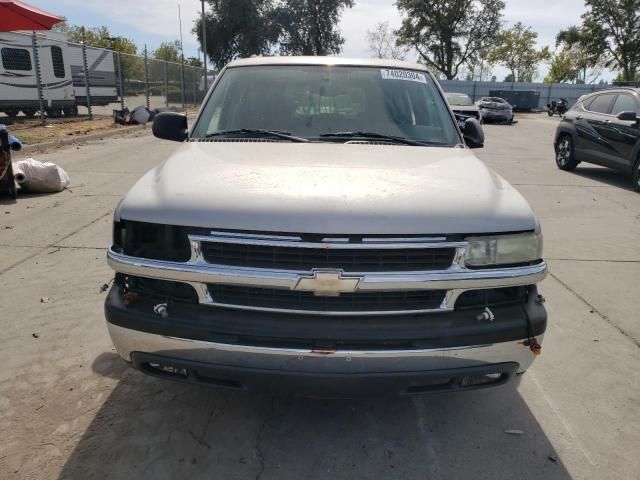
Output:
x=54 y=112
x=550 y=113
x=565 y=154
x=70 y=111
x=636 y=176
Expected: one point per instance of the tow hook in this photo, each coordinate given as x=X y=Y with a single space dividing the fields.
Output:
x=161 y=309
x=487 y=314
x=533 y=345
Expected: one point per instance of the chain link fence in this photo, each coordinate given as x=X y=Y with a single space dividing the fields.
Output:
x=544 y=92
x=47 y=79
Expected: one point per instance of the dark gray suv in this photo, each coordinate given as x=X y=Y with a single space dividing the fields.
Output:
x=602 y=128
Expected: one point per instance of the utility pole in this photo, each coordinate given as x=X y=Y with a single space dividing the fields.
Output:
x=36 y=59
x=118 y=64
x=146 y=76
x=204 y=48
x=181 y=58
x=87 y=84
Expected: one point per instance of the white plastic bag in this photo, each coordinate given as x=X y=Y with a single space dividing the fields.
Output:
x=39 y=177
x=141 y=115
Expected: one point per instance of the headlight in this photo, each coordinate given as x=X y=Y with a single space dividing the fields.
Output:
x=503 y=249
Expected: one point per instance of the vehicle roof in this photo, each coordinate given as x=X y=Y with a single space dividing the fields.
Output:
x=343 y=61
x=614 y=90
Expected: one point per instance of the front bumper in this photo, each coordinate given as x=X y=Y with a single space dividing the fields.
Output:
x=455 y=348
x=456 y=279
x=325 y=385
x=499 y=115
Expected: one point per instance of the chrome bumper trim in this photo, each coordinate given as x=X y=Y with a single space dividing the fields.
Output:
x=455 y=277
x=455 y=280
x=127 y=341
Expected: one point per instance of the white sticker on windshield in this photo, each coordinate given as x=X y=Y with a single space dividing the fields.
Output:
x=389 y=74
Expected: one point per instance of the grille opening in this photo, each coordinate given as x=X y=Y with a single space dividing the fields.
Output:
x=492 y=297
x=350 y=260
x=435 y=384
x=169 y=369
x=152 y=241
x=347 y=302
x=177 y=372
x=469 y=381
x=163 y=290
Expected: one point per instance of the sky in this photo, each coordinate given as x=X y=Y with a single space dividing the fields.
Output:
x=154 y=21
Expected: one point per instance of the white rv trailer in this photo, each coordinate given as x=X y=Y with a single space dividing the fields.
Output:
x=62 y=75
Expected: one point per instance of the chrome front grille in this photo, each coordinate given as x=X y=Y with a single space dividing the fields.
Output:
x=292 y=257
x=295 y=301
x=324 y=276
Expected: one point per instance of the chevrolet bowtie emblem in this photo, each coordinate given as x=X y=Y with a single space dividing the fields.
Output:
x=327 y=283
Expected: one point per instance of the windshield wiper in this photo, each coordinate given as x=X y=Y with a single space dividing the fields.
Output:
x=381 y=136
x=259 y=131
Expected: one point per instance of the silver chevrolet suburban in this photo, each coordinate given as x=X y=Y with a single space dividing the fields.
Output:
x=324 y=228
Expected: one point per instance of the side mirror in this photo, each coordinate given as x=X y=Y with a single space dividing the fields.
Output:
x=171 y=126
x=628 y=116
x=473 y=134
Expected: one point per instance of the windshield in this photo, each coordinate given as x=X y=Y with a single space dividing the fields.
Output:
x=459 y=99
x=314 y=101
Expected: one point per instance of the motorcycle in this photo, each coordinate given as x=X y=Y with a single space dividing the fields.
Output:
x=560 y=107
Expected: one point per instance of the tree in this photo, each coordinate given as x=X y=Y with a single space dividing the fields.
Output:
x=517 y=51
x=96 y=37
x=193 y=61
x=309 y=27
x=446 y=33
x=587 y=57
x=620 y=78
x=238 y=28
x=478 y=67
x=382 y=42
x=614 y=26
x=562 y=68
x=169 y=51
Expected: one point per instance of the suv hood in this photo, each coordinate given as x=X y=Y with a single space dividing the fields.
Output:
x=327 y=188
x=464 y=108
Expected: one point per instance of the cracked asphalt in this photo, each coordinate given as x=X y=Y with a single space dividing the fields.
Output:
x=71 y=409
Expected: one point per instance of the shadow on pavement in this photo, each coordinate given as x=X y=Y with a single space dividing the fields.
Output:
x=6 y=200
x=156 y=429
x=109 y=364
x=605 y=175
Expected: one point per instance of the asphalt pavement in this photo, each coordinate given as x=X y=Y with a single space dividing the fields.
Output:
x=71 y=409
